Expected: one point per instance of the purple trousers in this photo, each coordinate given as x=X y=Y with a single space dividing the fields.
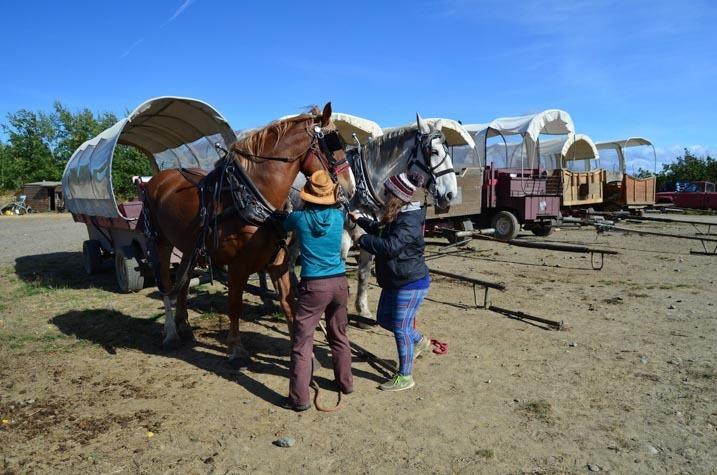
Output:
x=315 y=298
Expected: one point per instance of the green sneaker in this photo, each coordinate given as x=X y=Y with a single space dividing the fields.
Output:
x=423 y=345
x=398 y=383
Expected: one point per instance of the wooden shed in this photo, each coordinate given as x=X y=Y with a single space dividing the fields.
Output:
x=44 y=195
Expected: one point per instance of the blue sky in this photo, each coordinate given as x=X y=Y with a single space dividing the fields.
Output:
x=620 y=68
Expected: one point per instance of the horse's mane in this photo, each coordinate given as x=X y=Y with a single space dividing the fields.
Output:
x=254 y=142
x=394 y=137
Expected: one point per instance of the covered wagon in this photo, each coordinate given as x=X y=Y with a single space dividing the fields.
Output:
x=519 y=185
x=172 y=132
x=622 y=160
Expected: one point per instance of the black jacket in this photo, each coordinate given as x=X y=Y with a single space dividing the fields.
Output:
x=398 y=248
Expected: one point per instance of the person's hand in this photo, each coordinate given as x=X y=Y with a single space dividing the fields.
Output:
x=354 y=216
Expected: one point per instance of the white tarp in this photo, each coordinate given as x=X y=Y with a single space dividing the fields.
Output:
x=528 y=127
x=348 y=125
x=173 y=131
x=456 y=135
x=617 y=149
x=564 y=152
x=463 y=147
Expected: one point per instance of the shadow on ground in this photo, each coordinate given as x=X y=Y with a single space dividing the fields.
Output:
x=63 y=270
x=114 y=330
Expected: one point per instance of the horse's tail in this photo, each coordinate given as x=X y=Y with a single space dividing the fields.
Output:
x=151 y=235
x=152 y=232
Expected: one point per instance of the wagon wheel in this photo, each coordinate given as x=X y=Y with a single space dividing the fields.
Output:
x=542 y=229
x=128 y=274
x=92 y=256
x=506 y=225
x=465 y=225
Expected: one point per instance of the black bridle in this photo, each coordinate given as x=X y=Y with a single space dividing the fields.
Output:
x=423 y=143
x=323 y=143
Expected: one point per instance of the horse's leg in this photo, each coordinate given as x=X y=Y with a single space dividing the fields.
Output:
x=282 y=283
x=364 y=271
x=292 y=257
x=164 y=253
x=266 y=303
x=182 y=317
x=238 y=356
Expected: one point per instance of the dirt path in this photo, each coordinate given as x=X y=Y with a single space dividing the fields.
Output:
x=40 y=233
x=629 y=387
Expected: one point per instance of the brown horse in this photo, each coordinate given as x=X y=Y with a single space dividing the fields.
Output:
x=272 y=158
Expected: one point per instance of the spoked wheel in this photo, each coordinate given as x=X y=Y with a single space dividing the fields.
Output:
x=128 y=274
x=506 y=225
x=92 y=256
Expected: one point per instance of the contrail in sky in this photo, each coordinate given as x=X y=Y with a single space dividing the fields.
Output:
x=179 y=11
x=131 y=48
x=185 y=4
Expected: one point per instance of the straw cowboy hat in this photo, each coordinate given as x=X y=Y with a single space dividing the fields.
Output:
x=319 y=189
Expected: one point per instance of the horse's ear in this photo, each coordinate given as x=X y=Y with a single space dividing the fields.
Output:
x=326 y=115
x=422 y=125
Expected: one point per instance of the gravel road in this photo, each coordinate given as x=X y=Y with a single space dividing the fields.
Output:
x=40 y=233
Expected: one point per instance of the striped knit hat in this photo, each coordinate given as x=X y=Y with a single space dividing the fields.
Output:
x=403 y=185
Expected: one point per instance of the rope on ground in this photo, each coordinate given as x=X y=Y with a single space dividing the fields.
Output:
x=317 y=402
x=315 y=385
x=439 y=347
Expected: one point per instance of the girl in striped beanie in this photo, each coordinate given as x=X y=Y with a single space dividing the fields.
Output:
x=397 y=242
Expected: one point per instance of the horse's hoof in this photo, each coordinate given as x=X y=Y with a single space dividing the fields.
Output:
x=239 y=363
x=171 y=345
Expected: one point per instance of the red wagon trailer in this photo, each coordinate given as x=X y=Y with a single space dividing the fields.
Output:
x=518 y=188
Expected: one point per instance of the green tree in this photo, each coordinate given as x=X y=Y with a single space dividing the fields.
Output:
x=128 y=162
x=29 y=154
x=4 y=166
x=75 y=128
x=688 y=167
x=40 y=144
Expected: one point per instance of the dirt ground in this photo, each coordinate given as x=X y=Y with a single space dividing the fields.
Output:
x=630 y=385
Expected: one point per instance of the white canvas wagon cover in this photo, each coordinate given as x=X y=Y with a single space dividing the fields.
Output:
x=456 y=135
x=572 y=148
x=174 y=132
x=348 y=124
x=529 y=127
x=618 y=147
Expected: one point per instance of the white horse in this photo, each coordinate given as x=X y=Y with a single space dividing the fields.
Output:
x=417 y=148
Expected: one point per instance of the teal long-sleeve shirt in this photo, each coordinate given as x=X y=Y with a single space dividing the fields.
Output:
x=319 y=230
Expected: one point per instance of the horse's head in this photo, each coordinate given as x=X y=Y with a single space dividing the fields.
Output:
x=328 y=154
x=432 y=159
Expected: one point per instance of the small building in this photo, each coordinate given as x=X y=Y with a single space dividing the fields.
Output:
x=44 y=195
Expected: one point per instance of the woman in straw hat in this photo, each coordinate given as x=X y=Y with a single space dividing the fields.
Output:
x=323 y=288
x=397 y=242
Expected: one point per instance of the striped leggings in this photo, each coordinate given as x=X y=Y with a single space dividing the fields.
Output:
x=397 y=313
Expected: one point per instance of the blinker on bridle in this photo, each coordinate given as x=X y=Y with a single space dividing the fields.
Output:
x=423 y=143
x=330 y=142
